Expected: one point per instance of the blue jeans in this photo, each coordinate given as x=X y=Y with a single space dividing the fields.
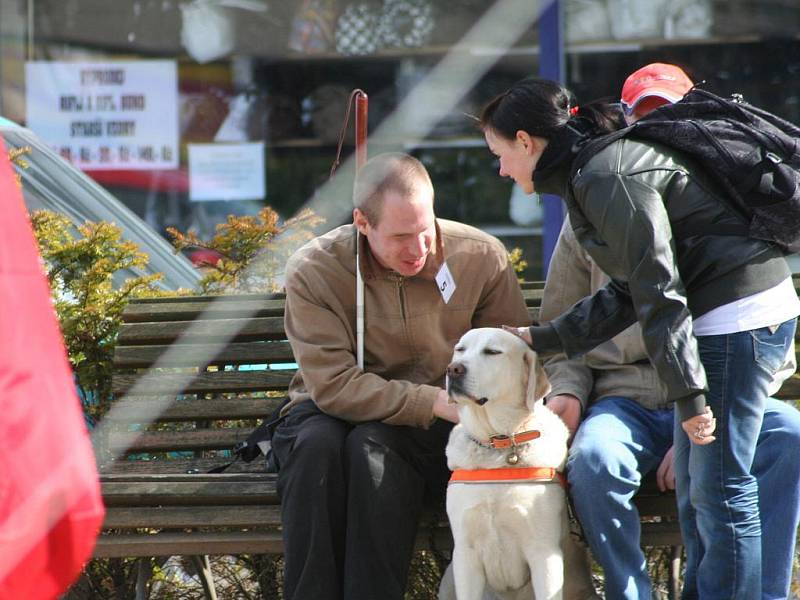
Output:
x=619 y=442
x=718 y=494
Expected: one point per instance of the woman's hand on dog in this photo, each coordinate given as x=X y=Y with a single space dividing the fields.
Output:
x=444 y=409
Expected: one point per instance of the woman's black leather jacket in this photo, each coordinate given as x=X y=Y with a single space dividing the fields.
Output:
x=647 y=217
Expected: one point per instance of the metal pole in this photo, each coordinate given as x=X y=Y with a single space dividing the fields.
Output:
x=362 y=103
x=551 y=66
x=29 y=49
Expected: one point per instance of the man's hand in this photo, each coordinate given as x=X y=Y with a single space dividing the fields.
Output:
x=568 y=407
x=665 y=476
x=444 y=409
x=701 y=427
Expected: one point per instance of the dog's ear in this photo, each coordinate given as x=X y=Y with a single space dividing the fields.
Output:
x=538 y=385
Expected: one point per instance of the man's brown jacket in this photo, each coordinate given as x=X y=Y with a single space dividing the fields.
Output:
x=409 y=330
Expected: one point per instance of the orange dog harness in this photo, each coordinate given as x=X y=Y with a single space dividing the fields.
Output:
x=509 y=475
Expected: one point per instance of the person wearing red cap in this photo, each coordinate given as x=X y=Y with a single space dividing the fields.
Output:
x=716 y=317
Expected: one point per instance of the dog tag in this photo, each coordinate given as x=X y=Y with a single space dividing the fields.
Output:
x=512 y=458
x=445 y=283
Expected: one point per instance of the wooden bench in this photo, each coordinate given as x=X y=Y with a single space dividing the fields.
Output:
x=156 y=448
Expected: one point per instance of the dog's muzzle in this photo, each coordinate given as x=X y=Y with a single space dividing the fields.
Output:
x=455 y=375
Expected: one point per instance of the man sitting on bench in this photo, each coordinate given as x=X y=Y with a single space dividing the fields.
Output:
x=360 y=451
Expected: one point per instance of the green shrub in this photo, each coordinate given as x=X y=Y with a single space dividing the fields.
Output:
x=252 y=250
x=80 y=265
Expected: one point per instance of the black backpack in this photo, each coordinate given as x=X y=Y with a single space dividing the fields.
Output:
x=753 y=154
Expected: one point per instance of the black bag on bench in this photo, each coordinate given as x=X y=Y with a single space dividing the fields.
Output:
x=258 y=443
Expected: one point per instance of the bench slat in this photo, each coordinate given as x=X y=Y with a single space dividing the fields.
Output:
x=164 y=441
x=658 y=505
x=790 y=390
x=198 y=332
x=175 y=466
x=190 y=307
x=661 y=534
x=221 y=409
x=212 y=331
x=117 y=545
x=172 y=517
x=215 y=478
x=188 y=311
x=188 y=493
x=245 y=353
x=165 y=384
x=159 y=301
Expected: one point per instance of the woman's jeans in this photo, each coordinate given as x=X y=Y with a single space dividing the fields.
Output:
x=718 y=494
x=619 y=442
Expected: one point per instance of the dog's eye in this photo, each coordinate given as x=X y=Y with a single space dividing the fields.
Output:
x=458 y=349
x=492 y=351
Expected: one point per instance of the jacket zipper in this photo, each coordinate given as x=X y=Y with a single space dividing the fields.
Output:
x=401 y=295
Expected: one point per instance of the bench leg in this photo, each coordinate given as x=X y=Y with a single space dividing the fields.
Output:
x=675 y=572
x=203 y=568
x=144 y=572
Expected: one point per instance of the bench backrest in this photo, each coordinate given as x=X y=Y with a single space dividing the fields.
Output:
x=229 y=388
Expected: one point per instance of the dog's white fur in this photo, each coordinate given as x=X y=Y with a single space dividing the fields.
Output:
x=507 y=536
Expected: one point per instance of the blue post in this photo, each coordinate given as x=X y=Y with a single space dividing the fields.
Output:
x=551 y=66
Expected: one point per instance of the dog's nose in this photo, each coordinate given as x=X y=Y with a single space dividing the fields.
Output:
x=456 y=370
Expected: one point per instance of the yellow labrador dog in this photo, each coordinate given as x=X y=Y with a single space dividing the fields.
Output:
x=505 y=502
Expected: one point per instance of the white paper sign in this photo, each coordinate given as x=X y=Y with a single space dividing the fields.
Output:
x=226 y=172
x=445 y=283
x=112 y=115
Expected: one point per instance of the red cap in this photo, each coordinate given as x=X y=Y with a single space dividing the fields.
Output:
x=656 y=79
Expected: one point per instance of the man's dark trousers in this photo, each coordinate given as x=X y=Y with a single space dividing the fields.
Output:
x=351 y=497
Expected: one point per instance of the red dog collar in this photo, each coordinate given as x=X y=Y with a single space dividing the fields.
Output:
x=515 y=439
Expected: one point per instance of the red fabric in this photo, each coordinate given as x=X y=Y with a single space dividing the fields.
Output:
x=161 y=181
x=50 y=504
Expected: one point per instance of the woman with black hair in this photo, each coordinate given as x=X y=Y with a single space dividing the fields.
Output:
x=717 y=312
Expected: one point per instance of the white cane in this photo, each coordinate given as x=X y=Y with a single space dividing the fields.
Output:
x=359 y=308
x=361 y=158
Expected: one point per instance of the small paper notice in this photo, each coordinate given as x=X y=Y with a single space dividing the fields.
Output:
x=226 y=172
x=445 y=283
